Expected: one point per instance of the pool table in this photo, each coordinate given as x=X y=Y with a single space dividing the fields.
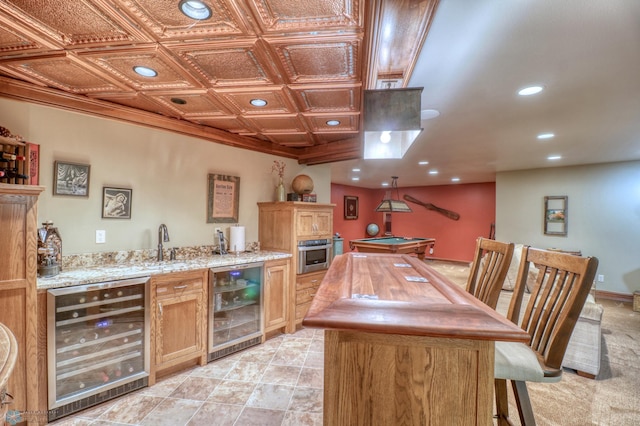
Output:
x=402 y=245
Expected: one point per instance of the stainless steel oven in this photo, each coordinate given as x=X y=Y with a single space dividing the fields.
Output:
x=314 y=255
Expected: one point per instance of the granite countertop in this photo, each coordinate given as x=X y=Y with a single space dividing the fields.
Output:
x=111 y=272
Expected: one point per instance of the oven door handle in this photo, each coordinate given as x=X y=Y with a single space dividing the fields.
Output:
x=309 y=248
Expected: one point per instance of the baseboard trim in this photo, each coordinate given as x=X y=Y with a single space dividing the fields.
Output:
x=616 y=297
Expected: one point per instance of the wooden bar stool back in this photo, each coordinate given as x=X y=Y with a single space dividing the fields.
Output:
x=489 y=269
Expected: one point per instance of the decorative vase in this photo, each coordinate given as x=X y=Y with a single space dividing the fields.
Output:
x=280 y=195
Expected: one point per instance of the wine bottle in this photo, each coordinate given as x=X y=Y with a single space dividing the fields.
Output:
x=7 y=156
x=12 y=173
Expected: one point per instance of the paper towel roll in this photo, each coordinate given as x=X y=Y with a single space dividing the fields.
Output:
x=236 y=239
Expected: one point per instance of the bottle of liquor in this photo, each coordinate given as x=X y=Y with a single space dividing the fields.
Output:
x=12 y=173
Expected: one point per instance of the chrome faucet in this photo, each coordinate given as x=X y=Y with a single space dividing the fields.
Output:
x=163 y=235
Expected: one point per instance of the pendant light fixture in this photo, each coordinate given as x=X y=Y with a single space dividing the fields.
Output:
x=391 y=205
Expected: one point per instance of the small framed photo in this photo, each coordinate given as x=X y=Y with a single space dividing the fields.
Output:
x=555 y=215
x=116 y=203
x=350 y=207
x=71 y=179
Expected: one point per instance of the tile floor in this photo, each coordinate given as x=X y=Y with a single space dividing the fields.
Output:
x=277 y=383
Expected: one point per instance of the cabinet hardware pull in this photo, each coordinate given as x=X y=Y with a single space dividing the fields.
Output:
x=178 y=287
x=160 y=308
x=314 y=281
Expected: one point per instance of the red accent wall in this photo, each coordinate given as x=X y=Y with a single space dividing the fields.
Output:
x=475 y=203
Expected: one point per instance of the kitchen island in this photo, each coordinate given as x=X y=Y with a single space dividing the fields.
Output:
x=404 y=345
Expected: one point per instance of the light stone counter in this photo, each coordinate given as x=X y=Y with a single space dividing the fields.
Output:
x=111 y=272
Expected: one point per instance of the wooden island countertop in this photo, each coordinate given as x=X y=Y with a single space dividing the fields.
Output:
x=404 y=345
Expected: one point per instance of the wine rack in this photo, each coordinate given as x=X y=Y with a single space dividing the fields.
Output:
x=235 y=308
x=98 y=340
x=15 y=161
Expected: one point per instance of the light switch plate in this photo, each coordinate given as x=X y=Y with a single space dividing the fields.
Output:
x=101 y=236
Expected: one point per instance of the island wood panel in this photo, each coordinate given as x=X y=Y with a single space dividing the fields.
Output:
x=404 y=352
x=18 y=275
x=386 y=379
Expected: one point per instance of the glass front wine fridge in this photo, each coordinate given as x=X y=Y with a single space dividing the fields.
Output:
x=235 y=308
x=97 y=343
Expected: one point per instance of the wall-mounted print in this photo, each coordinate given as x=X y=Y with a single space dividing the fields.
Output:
x=222 y=199
x=555 y=215
x=71 y=179
x=350 y=207
x=116 y=203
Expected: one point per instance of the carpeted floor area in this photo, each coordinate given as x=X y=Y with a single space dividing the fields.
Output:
x=613 y=398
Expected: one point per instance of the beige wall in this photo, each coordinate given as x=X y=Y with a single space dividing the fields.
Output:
x=603 y=215
x=166 y=171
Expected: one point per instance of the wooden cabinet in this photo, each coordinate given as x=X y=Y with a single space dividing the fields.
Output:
x=276 y=294
x=179 y=320
x=314 y=224
x=306 y=288
x=18 y=280
x=281 y=226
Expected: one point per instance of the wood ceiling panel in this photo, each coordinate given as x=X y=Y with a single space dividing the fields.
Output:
x=121 y=62
x=285 y=123
x=347 y=122
x=73 y=23
x=300 y=139
x=61 y=71
x=317 y=61
x=138 y=101
x=190 y=105
x=238 y=63
x=328 y=98
x=278 y=100
x=231 y=124
x=278 y=16
x=164 y=20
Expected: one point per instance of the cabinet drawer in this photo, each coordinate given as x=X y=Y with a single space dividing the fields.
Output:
x=309 y=280
x=179 y=287
x=305 y=295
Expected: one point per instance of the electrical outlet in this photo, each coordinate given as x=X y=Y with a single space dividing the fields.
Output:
x=101 y=236
x=600 y=278
x=430 y=250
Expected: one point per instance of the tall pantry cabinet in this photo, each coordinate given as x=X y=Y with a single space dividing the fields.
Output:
x=281 y=225
x=18 y=281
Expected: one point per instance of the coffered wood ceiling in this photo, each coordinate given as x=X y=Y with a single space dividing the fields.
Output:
x=310 y=60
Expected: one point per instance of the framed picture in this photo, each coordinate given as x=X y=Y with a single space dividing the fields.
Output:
x=555 y=215
x=222 y=199
x=116 y=203
x=350 y=207
x=71 y=179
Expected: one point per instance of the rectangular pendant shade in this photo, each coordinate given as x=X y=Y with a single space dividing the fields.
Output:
x=393 y=206
x=391 y=121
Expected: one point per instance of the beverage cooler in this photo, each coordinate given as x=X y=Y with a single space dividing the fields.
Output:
x=98 y=343
x=235 y=308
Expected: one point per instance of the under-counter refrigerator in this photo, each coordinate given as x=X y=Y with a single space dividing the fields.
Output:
x=97 y=343
x=235 y=308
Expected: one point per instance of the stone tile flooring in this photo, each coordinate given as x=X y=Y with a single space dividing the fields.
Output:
x=277 y=383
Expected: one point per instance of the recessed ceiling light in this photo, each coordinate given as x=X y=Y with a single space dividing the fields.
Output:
x=455 y=179
x=333 y=122
x=145 y=71
x=355 y=178
x=423 y=163
x=428 y=114
x=178 y=101
x=258 y=102
x=385 y=183
x=530 y=90
x=195 y=9
x=554 y=157
x=355 y=170
x=545 y=135
x=433 y=172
